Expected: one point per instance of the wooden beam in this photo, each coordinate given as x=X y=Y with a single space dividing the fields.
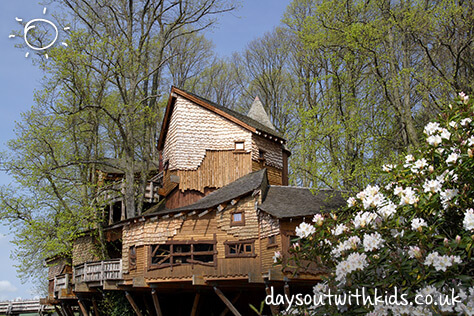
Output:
x=178 y=214
x=66 y=309
x=234 y=300
x=156 y=302
x=195 y=304
x=96 y=308
x=83 y=308
x=203 y=213
x=286 y=290
x=132 y=302
x=58 y=311
x=273 y=308
x=227 y=302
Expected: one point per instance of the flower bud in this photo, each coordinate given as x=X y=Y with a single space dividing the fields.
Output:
x=446 y=242
x=458 y=239
x=469 y=152
x=431 y=169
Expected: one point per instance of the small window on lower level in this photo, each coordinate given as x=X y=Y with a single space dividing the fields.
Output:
x=271 y=241
x=237 y=219
x=132 y=256
x=238 y=249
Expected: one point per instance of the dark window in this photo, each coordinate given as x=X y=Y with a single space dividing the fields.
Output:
x=239 y=249
x=237 y=219
x=261 y=154
x=132 y=256
x=272 y=241
x=177 y=253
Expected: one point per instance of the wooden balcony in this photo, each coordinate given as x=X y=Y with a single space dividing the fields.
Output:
x=99 y=273
x=63 y=287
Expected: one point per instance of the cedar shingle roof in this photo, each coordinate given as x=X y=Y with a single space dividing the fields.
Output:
x=286 y=202
x=244 y=118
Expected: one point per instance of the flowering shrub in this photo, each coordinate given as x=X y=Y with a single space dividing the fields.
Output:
x=412 y=236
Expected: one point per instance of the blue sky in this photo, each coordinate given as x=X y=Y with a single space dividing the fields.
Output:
x=19 y=78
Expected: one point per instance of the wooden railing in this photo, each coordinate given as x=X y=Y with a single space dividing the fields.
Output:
x=61 y=281
x=98 y=271
x=20 y=307
x=113 y=192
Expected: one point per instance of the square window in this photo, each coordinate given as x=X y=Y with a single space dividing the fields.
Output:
x=237 y=219
x=239 y=249
x=240 y=145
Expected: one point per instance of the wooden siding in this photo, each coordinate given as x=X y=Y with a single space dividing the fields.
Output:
x=178 y=198
x=218 y=169
x=84 y=250
x=273 y=151
x=193 y=129
x=214 y=226
x=269 y=252
x=274 y=174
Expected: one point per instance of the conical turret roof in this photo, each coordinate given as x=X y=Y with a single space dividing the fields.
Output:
x=258 y=113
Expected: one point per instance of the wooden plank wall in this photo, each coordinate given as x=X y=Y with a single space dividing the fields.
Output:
x=218 y=168
x=274 y=174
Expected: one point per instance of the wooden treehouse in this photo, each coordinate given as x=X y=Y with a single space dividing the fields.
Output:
x=220 y=209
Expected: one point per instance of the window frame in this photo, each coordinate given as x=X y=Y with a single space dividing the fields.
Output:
x=237 y=223
x=242 y=243
x=132 y=259
x=239 y=142
x=173 y=246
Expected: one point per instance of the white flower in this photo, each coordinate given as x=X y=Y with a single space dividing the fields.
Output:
x=409 y=158
x=372 y=241
x=468 y=221
x=453 y=124
x=418 y=165
x=371 y=197
x=408 y=196
x=465 y=121
x=445 y=133
x=388 y=168
x=418 y=223
x=304 y=230
x=464 y=98
x=355 y=261
x=447 y=195
x=363 y=219
x=432 y=186
x=276 y=256
x=470 y=141
x=340 y=228
x=434 y=140
x=318 y=219
x=452 y=158
x=351 y=202
x=398 y=190
x=431 y=128
x=387 y=210
x=414 y=252
x=348 y=244
x=441 y=263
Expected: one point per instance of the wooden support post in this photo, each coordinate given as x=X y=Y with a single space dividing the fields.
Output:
x=66 y=310
x=273 y=308
x=83 y=308
x=286 y=290
x=58 y=311
x=156 y=302
x=234 y=300
x=134 y=305
x=96 y=308
x=195 y=304
x=149 y=309
x=226 y=302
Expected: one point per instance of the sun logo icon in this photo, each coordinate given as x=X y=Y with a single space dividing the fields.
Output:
x=40 y=44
